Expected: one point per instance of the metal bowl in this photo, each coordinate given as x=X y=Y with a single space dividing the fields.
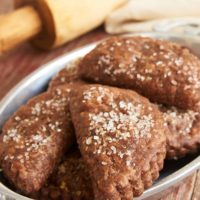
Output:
x=36 y=82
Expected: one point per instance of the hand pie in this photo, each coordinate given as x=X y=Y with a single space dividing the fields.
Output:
x=121 y=136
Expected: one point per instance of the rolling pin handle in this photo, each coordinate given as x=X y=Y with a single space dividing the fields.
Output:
x=17 y=27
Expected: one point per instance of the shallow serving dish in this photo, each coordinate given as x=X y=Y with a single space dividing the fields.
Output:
x=173 y=172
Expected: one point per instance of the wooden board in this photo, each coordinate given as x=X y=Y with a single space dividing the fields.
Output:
x=20 y=62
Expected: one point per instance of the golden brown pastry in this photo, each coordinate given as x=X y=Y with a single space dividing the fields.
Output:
x=121 y=136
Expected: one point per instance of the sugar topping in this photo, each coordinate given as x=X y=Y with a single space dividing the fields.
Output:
x=28 y=135
x=66 y=75
x=122 y=122
x=179 y=121
x=164 y=60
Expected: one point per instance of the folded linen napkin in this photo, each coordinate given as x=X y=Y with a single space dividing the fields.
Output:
x=147 y=15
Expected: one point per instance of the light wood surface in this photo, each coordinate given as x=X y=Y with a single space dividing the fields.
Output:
x=12 y=35
x=17 y=64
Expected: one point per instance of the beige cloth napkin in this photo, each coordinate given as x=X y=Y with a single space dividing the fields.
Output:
x=147 y=15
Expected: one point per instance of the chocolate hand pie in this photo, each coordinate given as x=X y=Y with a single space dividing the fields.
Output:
x=121 y=136
x=70 y=181
x=68 y=75
x=183 y=136
x=35 y=138
x=164 y=72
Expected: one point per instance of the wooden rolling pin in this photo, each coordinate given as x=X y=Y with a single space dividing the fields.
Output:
x=52 y=23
